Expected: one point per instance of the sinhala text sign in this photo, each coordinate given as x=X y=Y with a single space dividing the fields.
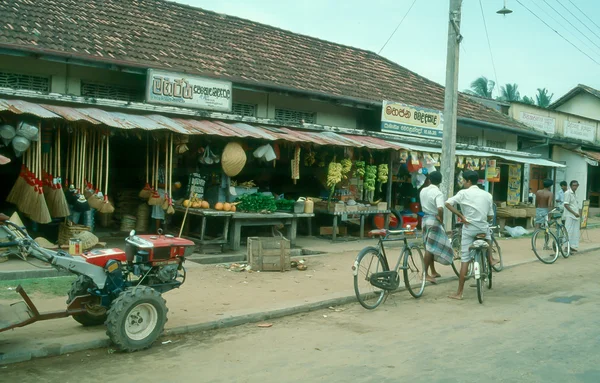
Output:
x=411 y=120
x=187 y=91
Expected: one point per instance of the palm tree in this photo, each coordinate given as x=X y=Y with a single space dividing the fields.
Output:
x=543 y=100
x=510 y=92
x=481 y=87
x=528 y=100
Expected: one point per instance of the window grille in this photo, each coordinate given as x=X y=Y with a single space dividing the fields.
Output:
x=295 y=116
x=496 y=144
x=468 y=140
x=24 y=81
x=110 y=92
x=244 y=110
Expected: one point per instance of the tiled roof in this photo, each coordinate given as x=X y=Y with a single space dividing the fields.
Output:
x=159 y=34
x=573 y=92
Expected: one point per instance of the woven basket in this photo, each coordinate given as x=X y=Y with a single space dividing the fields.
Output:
x=105 y=219
x=143 y=214
x=66 y=232
x=233 y=159
x=128 y=223
x=88 y=240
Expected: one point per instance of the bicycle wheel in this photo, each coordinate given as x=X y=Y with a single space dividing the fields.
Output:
x=414 y=271
x=456 y=262
x=368 y=262
x=497 y=254
x=563 y=240
x=479 y=281
x=545 y=246
x=487 y=270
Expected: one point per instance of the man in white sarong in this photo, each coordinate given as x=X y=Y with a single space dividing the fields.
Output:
x=571 y=215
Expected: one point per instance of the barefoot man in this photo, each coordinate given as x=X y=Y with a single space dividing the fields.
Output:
x=477 y=208
x=437 y=244
x=543 y=202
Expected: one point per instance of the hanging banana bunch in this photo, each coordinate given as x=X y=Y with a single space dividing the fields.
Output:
x=346 y=167
x=382 y=175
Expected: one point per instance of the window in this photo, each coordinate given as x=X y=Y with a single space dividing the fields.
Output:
x=468 y=140
x=24 y=81
x=496 y=144
x=110 y=92
x=244 y=110
x=295 y=116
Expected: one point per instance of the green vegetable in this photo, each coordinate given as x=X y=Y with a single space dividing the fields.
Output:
x=257 y=203
x=285 y=204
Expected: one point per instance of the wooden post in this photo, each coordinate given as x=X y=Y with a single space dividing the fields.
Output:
x=388 y=196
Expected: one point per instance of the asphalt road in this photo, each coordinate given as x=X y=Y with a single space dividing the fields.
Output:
x=538 y=324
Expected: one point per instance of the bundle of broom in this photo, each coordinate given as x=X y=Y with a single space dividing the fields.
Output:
x=106 y=207
x=97 y=199
x=81 y=204
x=55 y=198
x=146 y=192
x=36 y=202
x=155 y=199
x=170 y=208
x=22 y=185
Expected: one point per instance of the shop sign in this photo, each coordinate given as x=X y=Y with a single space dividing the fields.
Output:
x=514 y=185
x=187 y=91
x=541 y=123
x=580 y=131
x=398 y=118
x=585 y=212
x=492 y=172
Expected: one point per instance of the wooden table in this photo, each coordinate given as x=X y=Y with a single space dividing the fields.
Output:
x=256 y=219
x=362 y=214
x=205 y=214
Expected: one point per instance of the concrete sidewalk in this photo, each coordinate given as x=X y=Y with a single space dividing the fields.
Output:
x=214 y=297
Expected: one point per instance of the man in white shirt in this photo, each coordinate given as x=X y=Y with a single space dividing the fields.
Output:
x=560 y=198
x=437 y=244
x=477 y=208
x=571 y=215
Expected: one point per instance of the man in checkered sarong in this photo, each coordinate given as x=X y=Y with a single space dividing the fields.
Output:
x=437 y=243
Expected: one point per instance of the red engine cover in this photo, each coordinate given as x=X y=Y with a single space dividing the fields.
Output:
x=101 y=256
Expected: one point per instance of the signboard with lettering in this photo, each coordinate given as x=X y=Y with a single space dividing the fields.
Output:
x=585 y=212
x=514 y=185
x=177 y=89
x=410 y=120
x=580 y=131
x=541 y=123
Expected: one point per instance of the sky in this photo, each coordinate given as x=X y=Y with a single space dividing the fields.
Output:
x=524 y=50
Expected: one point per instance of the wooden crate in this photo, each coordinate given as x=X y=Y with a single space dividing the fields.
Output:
x=269 y=253
x=328 y=230
x=333 y=207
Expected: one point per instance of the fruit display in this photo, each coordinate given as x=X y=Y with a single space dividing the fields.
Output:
x=196 y=203
x=247 y=184
x=310 y=159
x=346 y=167
x=359 y=169
x=334 y=174
x=382 y=175
x=370 y=180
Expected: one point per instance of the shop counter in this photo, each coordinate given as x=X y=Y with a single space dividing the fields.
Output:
x=207 y=214
x=272 y=219
x=344 y=216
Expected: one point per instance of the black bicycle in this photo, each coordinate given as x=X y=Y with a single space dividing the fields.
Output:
x=456 y=246
x=547 y=243
x=373 y=278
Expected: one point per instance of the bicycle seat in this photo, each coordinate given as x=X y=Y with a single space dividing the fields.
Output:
x=481 y=236
x=479 y=244
x=378 y=233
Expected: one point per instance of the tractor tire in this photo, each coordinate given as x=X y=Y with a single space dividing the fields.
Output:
x=136 y=318
x=97 y=315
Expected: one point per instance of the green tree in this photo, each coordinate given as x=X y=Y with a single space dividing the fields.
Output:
x=528 y=100
x=542 y=97
x=510 y=92
x=481 y=87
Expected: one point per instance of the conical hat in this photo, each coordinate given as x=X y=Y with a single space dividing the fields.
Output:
x=16 y=219
x=88 y=240
x=43 y=242
x=233 y=159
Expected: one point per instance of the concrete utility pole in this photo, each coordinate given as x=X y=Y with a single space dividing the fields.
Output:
x=448 y=162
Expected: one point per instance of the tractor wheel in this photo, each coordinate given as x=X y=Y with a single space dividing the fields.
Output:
x=96 y=315
x=136 y=318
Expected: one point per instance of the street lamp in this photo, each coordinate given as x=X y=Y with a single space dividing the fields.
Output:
x=504 y=11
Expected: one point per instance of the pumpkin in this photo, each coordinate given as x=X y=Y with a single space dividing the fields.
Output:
x=219 y=206
x=186 y=203
x=205 y=205
x=233 y=208
x=226 y=206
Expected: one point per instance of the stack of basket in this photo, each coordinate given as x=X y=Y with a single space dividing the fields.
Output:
x=106 y=219
x=66 y=232
x=128 y=223
x=127 y=203
x=143 y=217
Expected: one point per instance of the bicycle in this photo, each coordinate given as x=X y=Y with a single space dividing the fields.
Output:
x=481 y=266
x=371 y=269
x=456 y=246
x=546 y=247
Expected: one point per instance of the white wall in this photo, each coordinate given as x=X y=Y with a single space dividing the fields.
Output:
x=584 y=104
x=577 y=169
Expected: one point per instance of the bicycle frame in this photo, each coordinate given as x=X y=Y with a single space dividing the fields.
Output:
x=381 y=248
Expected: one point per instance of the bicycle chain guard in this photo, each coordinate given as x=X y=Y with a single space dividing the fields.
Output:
x=386 y=280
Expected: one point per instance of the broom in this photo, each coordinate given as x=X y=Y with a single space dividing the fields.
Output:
x=146 y=192
x=81 y=205
x=39 y=209
x=170 y=209
x=95 y=200
x=106 y=207
x=26 y=200
x=59 y=202
x=165 y=203
x=155 y=199
x=89 y=186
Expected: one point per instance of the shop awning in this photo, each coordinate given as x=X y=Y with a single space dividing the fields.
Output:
x=594 y=156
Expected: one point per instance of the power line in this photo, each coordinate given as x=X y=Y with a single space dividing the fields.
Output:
x=555 y=31
x=400 y=23
x=584 y=24
x=583 y=13
x=489 y=45
x=571 y=24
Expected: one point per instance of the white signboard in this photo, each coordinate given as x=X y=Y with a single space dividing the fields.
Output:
x=541 y=123
x=580 y=131
x=411 y=120
x=177 y=89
